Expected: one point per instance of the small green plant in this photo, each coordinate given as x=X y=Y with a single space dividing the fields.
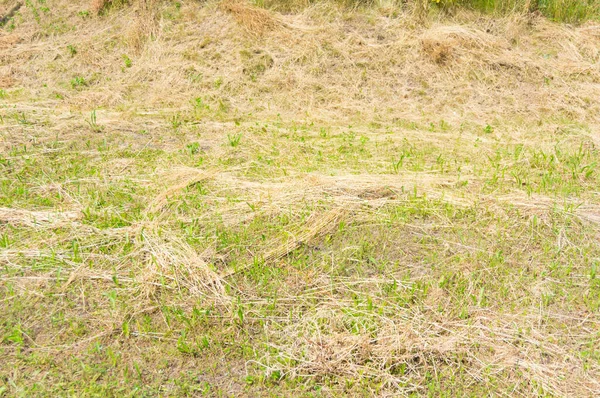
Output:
x=193 y=75
x=96 y=128
x=397 y=165
x=199 y=104
x=15 y=336
x=176 y=121
x=112 y=298
x=193 y=148
x=224 y=105
x=488 y=129
x=4 y=241
x=240 y=315
x=127 y=61
x=72 y=50
x=182 y=344
x=234 y=139
x=78 y=82
x=21 y=118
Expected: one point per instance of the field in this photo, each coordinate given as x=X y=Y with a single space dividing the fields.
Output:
x=221 y=199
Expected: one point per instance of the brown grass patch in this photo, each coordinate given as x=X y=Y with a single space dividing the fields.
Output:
x=7 y=41
x=7 y=81
x=28 y=218
x=444 y=43
x=256 y=21
x=145 y=24
x=98 y=5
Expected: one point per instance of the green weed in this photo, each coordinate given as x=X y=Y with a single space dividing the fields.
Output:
x=234 y=139
x=93 y=123
x=78 y=82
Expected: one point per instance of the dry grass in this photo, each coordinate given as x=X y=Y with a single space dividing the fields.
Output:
x=98 y=5
x=49 y=219
x=369 y=58
x=318 y=224
x=177 y=180
x=256 y=21
x=218 y=199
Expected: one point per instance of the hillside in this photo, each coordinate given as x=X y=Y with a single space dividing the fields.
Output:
x=213 y=198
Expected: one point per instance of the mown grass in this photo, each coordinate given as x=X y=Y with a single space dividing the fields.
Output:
x=76 y=318
x=204 y=237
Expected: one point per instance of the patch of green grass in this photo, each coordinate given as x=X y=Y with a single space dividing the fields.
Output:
x=127 y=61
x=558 y=10
x=570 y=11
x=72 y=50
x=78 y=82
x=234 y=139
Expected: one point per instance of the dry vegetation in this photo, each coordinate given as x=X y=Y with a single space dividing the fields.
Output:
x=217 y=199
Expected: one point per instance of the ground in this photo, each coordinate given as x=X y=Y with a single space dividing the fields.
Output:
x=216 y=199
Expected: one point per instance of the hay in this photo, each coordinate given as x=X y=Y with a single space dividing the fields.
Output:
x=144 y=25
x=35 y=219
x=256 y=21
x=317 y=346
x=178 y=179
x=316 y=225
x=98 y=5
x=445 y=43
x=375 y=73
x=332 y=68
x=169 y=258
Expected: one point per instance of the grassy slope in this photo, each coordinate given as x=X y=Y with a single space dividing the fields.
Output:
x=218 y=200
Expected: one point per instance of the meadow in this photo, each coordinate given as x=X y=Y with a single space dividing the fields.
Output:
x=312 y=199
